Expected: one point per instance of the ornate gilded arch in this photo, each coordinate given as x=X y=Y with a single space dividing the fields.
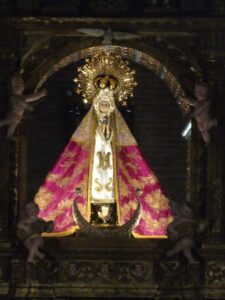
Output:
x=141 y=53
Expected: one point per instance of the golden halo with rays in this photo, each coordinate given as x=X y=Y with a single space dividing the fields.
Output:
x=105 y=70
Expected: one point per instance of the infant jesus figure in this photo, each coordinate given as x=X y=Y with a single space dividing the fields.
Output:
x=19 y=103
x=201 y=111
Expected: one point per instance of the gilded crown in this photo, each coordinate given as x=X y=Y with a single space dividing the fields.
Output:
x=105 y=70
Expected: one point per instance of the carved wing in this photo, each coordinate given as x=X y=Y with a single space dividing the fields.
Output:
x=96 y=32
x=119 y=35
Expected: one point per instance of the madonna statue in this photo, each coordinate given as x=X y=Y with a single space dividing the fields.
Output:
x=103 y=161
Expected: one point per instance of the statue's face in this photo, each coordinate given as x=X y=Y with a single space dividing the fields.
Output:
x=104 y=103
x=201 y=92
x=104 y=106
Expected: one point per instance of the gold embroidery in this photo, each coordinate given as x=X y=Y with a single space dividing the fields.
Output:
x=53 y=177
x=132 y=205
x=107 y=186
x=100 y=186
x=68 y=220
x=104 y=160
x=155 y=224
x=83 y=210
x=43 y=198
x=66 y=203
x=67 y=154
x=67 y=180
x=150 y=223
x=82 y=134
x=83 y=186
x=68 y=164
x=128 y=209
x=157 y=201
x=152 y=179
x=124 y=191
x=133 y=155
x=134 y=167
x=142 y=180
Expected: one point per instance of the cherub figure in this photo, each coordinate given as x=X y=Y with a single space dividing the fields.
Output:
x=182 y=231
x=29 y=230
x=138 y=271
x=105 y=272
x=19 y=103
x=201 y=111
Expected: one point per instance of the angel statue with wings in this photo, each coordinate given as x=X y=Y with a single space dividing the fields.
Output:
x=103 y=160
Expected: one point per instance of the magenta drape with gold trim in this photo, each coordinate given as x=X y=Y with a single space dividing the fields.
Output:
x=55 y=197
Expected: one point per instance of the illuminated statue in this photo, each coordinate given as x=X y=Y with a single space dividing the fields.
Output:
x=103 y=161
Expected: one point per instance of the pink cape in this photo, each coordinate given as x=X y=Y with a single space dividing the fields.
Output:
x=55 y=197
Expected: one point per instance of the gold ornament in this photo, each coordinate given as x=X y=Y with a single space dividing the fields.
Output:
x=105 y=70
